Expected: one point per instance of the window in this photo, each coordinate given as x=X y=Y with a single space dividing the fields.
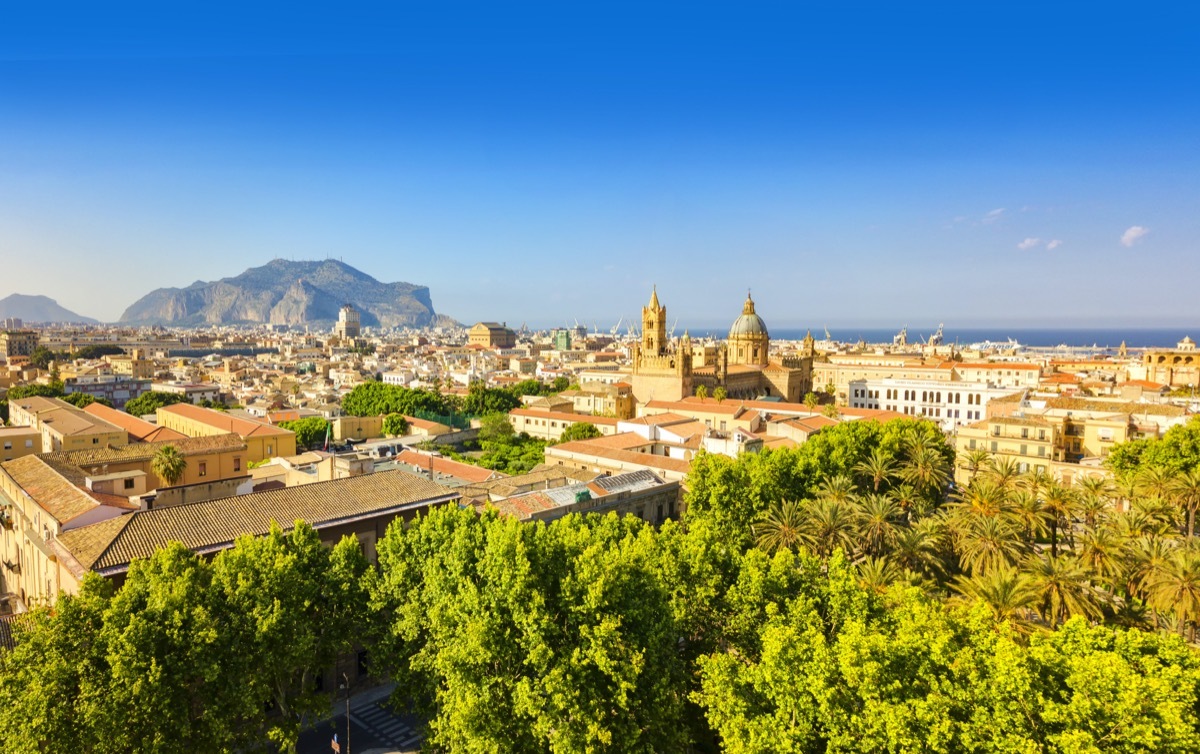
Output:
x=995 y=447
x=995 y=430
x=237 y=463
x=203 y=468
x=128 y=484
x=8 y=445
x=971 y=445
x=29 y=443
x=95 y=441
x=1024 y=450
x=1042 y=450
x=1024 y=432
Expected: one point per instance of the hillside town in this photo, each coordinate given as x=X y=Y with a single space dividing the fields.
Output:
x=110 y=431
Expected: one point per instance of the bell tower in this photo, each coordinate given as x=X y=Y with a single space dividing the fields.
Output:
x=654 y=326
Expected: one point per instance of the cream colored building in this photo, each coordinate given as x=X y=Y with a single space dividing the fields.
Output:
x=16 y=442
x=550 y=425
x=210 y=458
x=64 y=427
x=491 y=335
x=1177 y=368
x=262 y=440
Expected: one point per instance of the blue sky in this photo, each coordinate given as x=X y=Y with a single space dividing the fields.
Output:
x=853 y=163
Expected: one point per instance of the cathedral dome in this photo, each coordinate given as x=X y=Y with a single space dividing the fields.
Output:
x=749 y=323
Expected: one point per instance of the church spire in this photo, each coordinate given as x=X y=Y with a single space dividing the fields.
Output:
x=654 y=298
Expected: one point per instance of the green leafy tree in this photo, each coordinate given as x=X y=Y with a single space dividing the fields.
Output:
x=580 y=431
x=172 y=684
x=35 y=389
x=83 y=400
x=395 y=425
x=378 y=399
x=532 y=638
x=293 y=605
x=52 y=680
x=482 y=400
x=150 y=402
x=496 y=428
x=41 y=357
x=310 y=431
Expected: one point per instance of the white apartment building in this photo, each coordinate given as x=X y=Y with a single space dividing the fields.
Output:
x=950 y=404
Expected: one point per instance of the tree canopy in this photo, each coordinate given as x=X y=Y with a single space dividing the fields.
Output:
x=838 y=597
x=580 y=431
x=310 y=431
x=150 y=402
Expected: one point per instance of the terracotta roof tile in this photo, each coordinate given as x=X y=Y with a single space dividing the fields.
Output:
x=215 y=524
x=144 y=451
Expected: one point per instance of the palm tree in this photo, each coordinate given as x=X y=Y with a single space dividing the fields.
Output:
x=811 y=400
x=878 y=515
x=909 y=501
x=719 y=394
x=1187 y=491
x=877 y=467
x=1125 y=489
x=1147 y=558
x=1156 y=481
x=1103 y=551
x=781 y=528
x=1004 y=471
x=1008 y=593
x=1064 y=589
x=1176 y=589
x=830 y=524
x=1030 y=511
x=989 y=543
x=1093 y=506
x=1148 y=517
x=983 y=498
x=701 y=392
x=168 y=464
x=877 y=574
x=925 y=469
x=1059 y=501
x=974 y=461
x=916 y=549
x=838 y=487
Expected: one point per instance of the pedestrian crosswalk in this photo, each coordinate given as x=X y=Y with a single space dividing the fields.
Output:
x=387 y=727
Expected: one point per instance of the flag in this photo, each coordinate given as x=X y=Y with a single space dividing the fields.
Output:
x=328 y=429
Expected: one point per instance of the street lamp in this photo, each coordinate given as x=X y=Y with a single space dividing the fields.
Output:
x=346 y=685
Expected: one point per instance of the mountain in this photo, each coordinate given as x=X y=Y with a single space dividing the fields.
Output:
x=283 y=292
x=38 y=309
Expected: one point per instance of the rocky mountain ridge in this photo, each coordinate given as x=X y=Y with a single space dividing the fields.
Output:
x=285 y=292
x=39 y=309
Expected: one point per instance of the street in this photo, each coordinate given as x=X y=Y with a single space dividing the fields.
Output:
x=373 y=729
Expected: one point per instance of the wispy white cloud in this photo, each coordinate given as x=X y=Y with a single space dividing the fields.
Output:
x=1134 y=234
x=1052 y=245
x=1029 y=243
x=993 y=216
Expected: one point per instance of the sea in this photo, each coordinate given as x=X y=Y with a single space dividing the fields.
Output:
x=1098 y=338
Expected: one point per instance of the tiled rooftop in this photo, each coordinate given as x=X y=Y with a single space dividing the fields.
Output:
x=215 y=524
